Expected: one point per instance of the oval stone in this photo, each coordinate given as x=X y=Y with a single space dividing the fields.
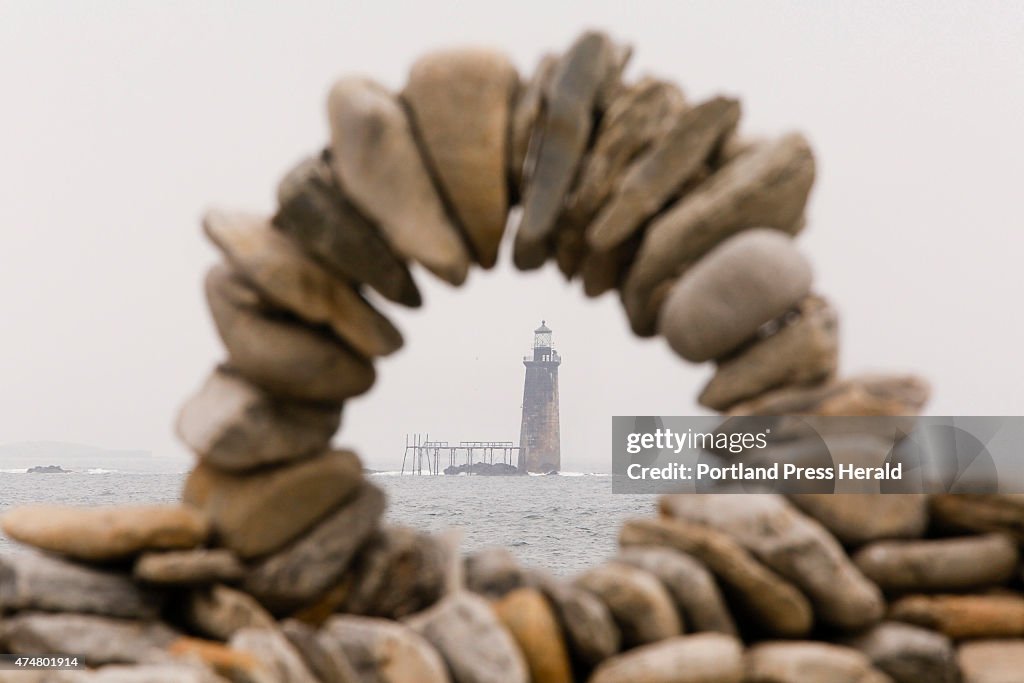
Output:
x=743 y=283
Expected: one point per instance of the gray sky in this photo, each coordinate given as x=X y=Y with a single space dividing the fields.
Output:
x=122 y=121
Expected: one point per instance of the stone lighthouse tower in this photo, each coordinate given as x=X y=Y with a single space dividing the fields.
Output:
x=539 y=436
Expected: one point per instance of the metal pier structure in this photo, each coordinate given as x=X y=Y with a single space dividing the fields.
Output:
x=423 y=456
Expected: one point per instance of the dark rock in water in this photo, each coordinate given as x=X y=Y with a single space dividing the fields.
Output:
x=498 y=469
x=48 y=469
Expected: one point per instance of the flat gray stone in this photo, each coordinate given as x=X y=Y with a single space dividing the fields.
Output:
x=275 y=265
x=316 y=561
x=761 y=594
x=767 y=187
x=376 y=158
x=318 y=216
x=639 y=602
x=691 y=585
x=188 y=567
x=383 y=651
x=948 y=564
x=142 y=673
x=526 y=112
x=471 y=640
x=671 y=162
x=220 y=612
x=564 y=130
x=271 y=649
x=991 y=661
x=100 y=640
x=791 y=662
x=909 y=654
x=856 y=519
x=742 y=284
x=493 y=572
x=106 y=533
x=32 y=581
x=256 y=513
x=233 y=425
x=329 y=665
x=804 y=352
x=460 y=101
x=590 y=631
x=285 y=358
x=860 y=395
x=795 y=546
x=399 y=571
x=701 y=658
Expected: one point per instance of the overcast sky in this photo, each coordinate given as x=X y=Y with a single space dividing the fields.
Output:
x=121 y=121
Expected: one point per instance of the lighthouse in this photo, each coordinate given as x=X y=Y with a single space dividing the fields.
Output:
x=539 y=438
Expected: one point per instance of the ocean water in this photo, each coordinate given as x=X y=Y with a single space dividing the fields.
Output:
x=565 y=523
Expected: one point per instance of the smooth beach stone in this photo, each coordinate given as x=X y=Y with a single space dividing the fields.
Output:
x=234 y=665
x=964 y=616
x=220 y=612
x=98 y=640
x=107 y=533
x=766 y=188
x=795 y=546
x=948 y=564
x=493 y=572
x=35 y=582
x=809 y=662
x=375 y=156
x=327 y=665
x=860 y=395
x=186 y=567
x=283 y=357
x=774 y=603
x=528 y=616
x=637 y=116
x=315 y=562
x=991 y=661
x=909 y=654
x=399 y=571
x=662 y=171
x=743 y=283
x=691 y=585
x=590 y=631
x=258 y=512
x=564 y=127
x=529 y=104
x=856 y=519
x=639 y=603
x=232 y=424
x=699 y=658
x=118 y=673
x=316 y=214
x=980 y=512
x=272 y=649
x=383 y=651
x=805 y=351
x=276 y=266
x=466 y=632
x=460 y=101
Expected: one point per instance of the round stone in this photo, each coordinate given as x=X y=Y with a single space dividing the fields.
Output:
x=743 y=283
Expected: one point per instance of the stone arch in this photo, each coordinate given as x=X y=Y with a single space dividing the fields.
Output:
x=629 y=187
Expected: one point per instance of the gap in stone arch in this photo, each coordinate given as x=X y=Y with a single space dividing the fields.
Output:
x=460 y=378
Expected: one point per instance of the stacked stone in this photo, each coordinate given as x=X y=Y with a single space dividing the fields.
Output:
x=277 y=566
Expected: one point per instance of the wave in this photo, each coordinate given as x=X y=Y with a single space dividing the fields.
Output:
x=21 y=471
x=100 y=470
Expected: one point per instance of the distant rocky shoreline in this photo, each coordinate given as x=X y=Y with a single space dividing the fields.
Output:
x=47 y=469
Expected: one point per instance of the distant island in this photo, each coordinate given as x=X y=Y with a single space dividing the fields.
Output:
x=498 y=469
x=48 y=469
